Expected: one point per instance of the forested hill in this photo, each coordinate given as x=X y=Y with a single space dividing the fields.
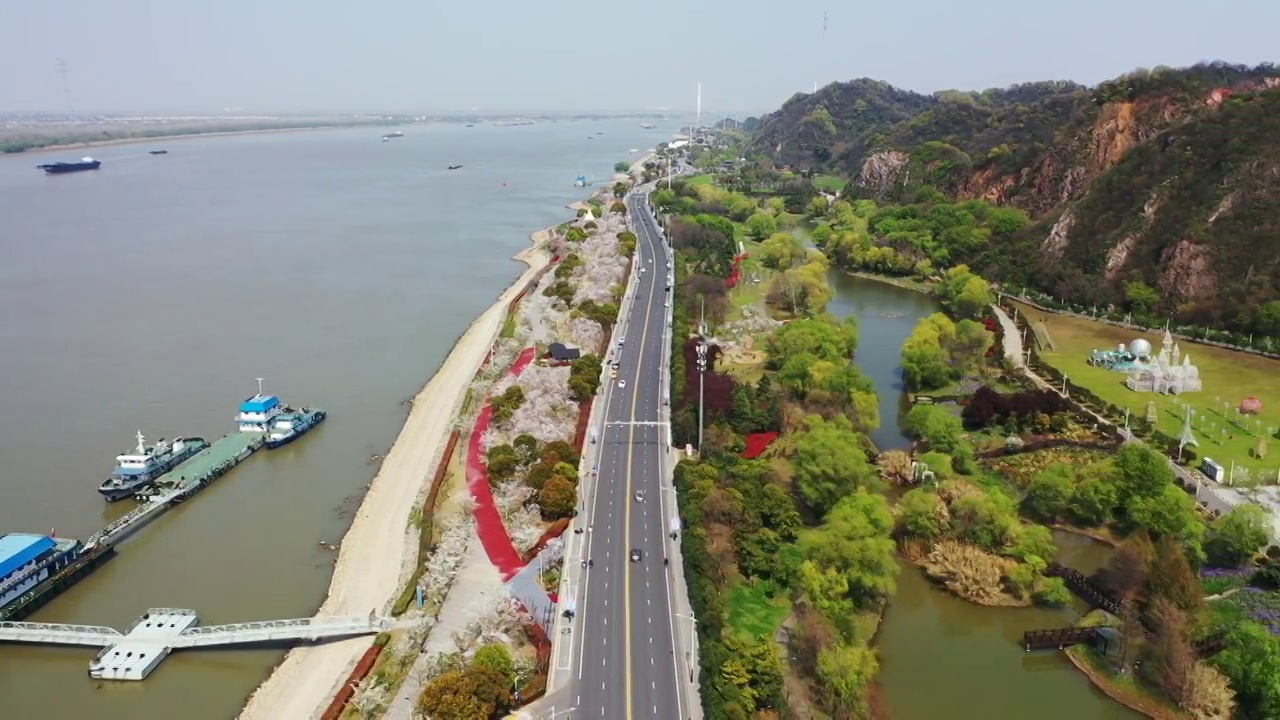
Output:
x=1166 y=179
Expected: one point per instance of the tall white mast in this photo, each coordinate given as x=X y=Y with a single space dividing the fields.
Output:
x=142 y=444
x=259 y=386
x=699 y=120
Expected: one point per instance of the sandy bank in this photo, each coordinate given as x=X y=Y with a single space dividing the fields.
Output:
x=165 y=139
x=380 y=547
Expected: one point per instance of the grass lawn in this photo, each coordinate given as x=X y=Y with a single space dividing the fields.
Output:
x=829 y=183
x=1227 y=376
x=706 y=179
x=751 y=612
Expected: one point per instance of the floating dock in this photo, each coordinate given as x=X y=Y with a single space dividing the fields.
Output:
x=181 y=483
x=149 y=640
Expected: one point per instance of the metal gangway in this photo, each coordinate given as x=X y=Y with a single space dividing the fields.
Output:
x=59 y=634
x=133 y=655
x=309 y=629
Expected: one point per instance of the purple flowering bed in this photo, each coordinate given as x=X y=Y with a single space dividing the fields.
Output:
x=1248 y=603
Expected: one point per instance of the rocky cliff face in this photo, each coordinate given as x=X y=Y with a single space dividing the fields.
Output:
x=1170 y=177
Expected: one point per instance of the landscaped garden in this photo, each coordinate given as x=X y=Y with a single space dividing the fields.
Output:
x=1227 y=376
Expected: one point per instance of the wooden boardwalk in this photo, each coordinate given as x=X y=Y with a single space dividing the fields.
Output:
x=1058 y=638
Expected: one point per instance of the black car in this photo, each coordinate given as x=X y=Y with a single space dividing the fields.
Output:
x=635 y=555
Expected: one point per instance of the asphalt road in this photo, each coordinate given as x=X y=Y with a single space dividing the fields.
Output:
x=628 y=664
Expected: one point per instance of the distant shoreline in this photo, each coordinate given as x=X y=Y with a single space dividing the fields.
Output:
x=62 y=147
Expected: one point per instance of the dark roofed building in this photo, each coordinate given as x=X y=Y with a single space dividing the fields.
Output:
x=558 y=351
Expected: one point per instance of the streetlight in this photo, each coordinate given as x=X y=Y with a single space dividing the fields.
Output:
x=702 y=370
x=691 y=655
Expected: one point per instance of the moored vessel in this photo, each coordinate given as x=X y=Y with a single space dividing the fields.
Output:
x=257 y=412
x=29 y=560
x=293 y=424
x=454 y=167
x=141 y=468
x=159 y=152
x=86 y=163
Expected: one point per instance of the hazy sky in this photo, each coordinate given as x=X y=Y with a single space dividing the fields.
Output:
x=572 y=55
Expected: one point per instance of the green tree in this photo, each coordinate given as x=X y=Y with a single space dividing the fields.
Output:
x=1050 y=494
x=1140 y=297
x=1092 y=502
x=824 y=337
x=829 y=462
x=622 y=166
x=502 y=463
x=922 y=514
x=1252 y=662
x=1269 y=317
x=497 y=657
x=780 y=251
x=760 y=226
x=935 y=426
x=1140 y=472
x=845 y=673
x=1236 y=536
x=1033 y=541
x=1171 y=513
x=855 y=541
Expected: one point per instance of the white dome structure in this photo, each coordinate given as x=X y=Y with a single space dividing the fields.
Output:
x=1140 y=348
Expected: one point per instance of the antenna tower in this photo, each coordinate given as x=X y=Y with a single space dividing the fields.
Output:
x=63 y=70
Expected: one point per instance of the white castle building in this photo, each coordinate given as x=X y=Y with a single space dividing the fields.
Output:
x=1170 y=373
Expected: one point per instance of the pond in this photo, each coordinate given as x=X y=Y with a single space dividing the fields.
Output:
x=940 y=656
x=886 y=315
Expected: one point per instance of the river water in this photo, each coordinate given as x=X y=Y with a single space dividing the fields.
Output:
x=942 y=657
x=149 y=295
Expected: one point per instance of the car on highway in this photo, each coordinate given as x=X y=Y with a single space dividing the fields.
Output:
x=635 y=555
x=622 y=383
x=639 y=496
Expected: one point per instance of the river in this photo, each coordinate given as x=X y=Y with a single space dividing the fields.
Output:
x=149 y=294
x=942 y=657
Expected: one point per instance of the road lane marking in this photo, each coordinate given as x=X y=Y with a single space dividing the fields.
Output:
x=631 y=439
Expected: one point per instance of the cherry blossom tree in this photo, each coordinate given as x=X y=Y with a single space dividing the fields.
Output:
x=371 y=697
x=441 y=568
x=586 y=333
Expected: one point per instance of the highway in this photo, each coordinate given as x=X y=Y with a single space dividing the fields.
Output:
x=628 y=661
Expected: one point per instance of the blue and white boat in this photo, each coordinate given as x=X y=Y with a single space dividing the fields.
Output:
x=293 y=424
x=28 y=560
x=141 y=468
x=258 y=412
x=280 y=423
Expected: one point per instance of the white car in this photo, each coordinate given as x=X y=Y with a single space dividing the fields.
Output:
x=622 y=383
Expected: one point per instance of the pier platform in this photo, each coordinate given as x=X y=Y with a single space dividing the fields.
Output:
x=133 y=655
x=181 y=483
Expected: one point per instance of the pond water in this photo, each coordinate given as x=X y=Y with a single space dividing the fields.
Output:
x=940 y=656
